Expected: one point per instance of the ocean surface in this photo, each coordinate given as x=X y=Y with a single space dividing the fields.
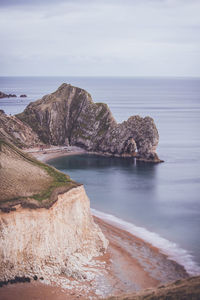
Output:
x=160 y=203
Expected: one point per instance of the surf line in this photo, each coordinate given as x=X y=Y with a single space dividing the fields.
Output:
x=171 y=249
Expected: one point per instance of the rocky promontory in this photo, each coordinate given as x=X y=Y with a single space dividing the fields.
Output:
x=46 y=227
x=69 y=116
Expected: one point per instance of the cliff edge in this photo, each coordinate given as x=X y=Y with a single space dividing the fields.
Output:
x=69 y=116
x=46 y=228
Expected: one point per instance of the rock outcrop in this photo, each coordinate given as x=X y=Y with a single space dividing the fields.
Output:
x=56 y=237
x=69 y=116
x=3 y=95
x=17 y=132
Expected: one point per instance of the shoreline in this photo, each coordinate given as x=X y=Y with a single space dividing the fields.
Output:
x=130 y=264
x=60 y=151
x=54 y=151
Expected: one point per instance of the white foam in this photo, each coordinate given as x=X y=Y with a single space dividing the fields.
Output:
x=171 y=249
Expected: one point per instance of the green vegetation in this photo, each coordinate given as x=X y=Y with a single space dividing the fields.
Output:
x=60 y=181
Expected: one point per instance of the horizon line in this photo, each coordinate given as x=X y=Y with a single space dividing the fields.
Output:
x=105 y=76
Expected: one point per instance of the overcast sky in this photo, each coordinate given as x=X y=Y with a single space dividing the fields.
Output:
x=100 y=37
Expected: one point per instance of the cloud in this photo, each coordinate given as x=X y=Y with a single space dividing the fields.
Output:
x=154 y=37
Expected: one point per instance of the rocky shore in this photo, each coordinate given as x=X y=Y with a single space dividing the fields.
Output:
x=3 y=95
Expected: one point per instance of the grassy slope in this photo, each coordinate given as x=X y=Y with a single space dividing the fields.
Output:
x=59 y=182
x=186 y=289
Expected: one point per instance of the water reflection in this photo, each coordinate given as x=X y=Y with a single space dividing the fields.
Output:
x=159 y=197
x=88 y=161
x=114 y=185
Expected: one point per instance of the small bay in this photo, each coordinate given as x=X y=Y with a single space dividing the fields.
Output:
x=162 y=198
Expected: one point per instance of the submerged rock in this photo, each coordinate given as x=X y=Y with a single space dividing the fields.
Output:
x=69 y=116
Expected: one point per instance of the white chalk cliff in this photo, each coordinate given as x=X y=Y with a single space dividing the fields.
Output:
x=49 y=241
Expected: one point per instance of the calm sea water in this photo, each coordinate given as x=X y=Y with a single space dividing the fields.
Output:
x=163 y=200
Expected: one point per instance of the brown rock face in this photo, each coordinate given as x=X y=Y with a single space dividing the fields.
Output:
x=17 y=132
x=70 y=116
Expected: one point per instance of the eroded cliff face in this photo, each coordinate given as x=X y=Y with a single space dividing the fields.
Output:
x=49 y=242
x=17 y=132
x=46 y=228
x=70 y=116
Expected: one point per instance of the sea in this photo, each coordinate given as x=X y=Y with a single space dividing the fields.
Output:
x=159 y=203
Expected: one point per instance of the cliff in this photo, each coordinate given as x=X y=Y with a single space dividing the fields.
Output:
x=69 y=116
x=46 y=228
x=15 y=131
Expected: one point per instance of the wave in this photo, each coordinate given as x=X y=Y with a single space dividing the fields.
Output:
x=171 y=249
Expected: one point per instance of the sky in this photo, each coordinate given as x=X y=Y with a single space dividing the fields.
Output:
x=100 y=38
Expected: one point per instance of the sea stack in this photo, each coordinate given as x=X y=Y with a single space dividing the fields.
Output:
x=69 y=116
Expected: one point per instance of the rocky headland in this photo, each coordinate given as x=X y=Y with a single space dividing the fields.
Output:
x=70 y=117
x=46 y=228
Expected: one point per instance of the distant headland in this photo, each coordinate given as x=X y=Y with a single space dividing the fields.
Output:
x=3 y=95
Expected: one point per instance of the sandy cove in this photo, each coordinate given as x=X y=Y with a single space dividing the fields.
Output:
x=46 y=153
x=129 y=265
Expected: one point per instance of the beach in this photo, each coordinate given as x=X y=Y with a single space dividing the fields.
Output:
x=45 y=153
x=129 y=265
